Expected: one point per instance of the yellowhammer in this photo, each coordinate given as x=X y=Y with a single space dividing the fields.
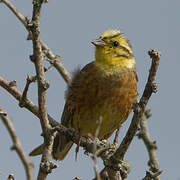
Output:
x=106 y=87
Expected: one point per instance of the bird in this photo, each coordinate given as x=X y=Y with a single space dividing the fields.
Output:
x=105 y=88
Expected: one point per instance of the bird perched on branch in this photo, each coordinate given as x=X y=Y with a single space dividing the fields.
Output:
x=106 y=88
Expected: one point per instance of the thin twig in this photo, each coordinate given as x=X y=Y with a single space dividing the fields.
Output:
x=29 y=80
x=17 y=144
x=56 y=62
x=150 y=146
x=15 y=11
x=96 y=168
x=46 y=165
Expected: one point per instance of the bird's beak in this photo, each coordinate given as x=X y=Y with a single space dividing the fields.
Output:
x=99 y=42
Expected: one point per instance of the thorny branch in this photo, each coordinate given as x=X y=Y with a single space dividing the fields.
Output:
x=17 y=144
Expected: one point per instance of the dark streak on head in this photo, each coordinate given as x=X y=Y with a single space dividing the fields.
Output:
x=127 y=50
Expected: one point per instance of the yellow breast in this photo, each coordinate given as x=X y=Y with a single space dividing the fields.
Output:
x=105 y=88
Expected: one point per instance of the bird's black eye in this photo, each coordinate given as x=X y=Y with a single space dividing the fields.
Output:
x=115 y=43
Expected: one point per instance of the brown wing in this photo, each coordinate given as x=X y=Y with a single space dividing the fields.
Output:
x=75 y=93
x=61 y=145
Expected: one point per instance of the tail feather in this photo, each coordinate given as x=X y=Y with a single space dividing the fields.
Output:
x=61 y=148
x=37 y=151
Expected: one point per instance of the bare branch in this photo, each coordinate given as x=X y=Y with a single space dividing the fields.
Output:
x=96 y=168
x=38 y=58
x=17 y=145
x=38 y=48
x=56 y=62
x=28 y=25
x=150 y=146
x=15 y=11
x=29 y=80
x=38 y=61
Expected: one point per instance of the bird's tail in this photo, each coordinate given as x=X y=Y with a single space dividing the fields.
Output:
x=61 y=148
x=37 y=151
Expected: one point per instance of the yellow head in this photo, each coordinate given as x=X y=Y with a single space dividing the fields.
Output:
x=113 y=49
